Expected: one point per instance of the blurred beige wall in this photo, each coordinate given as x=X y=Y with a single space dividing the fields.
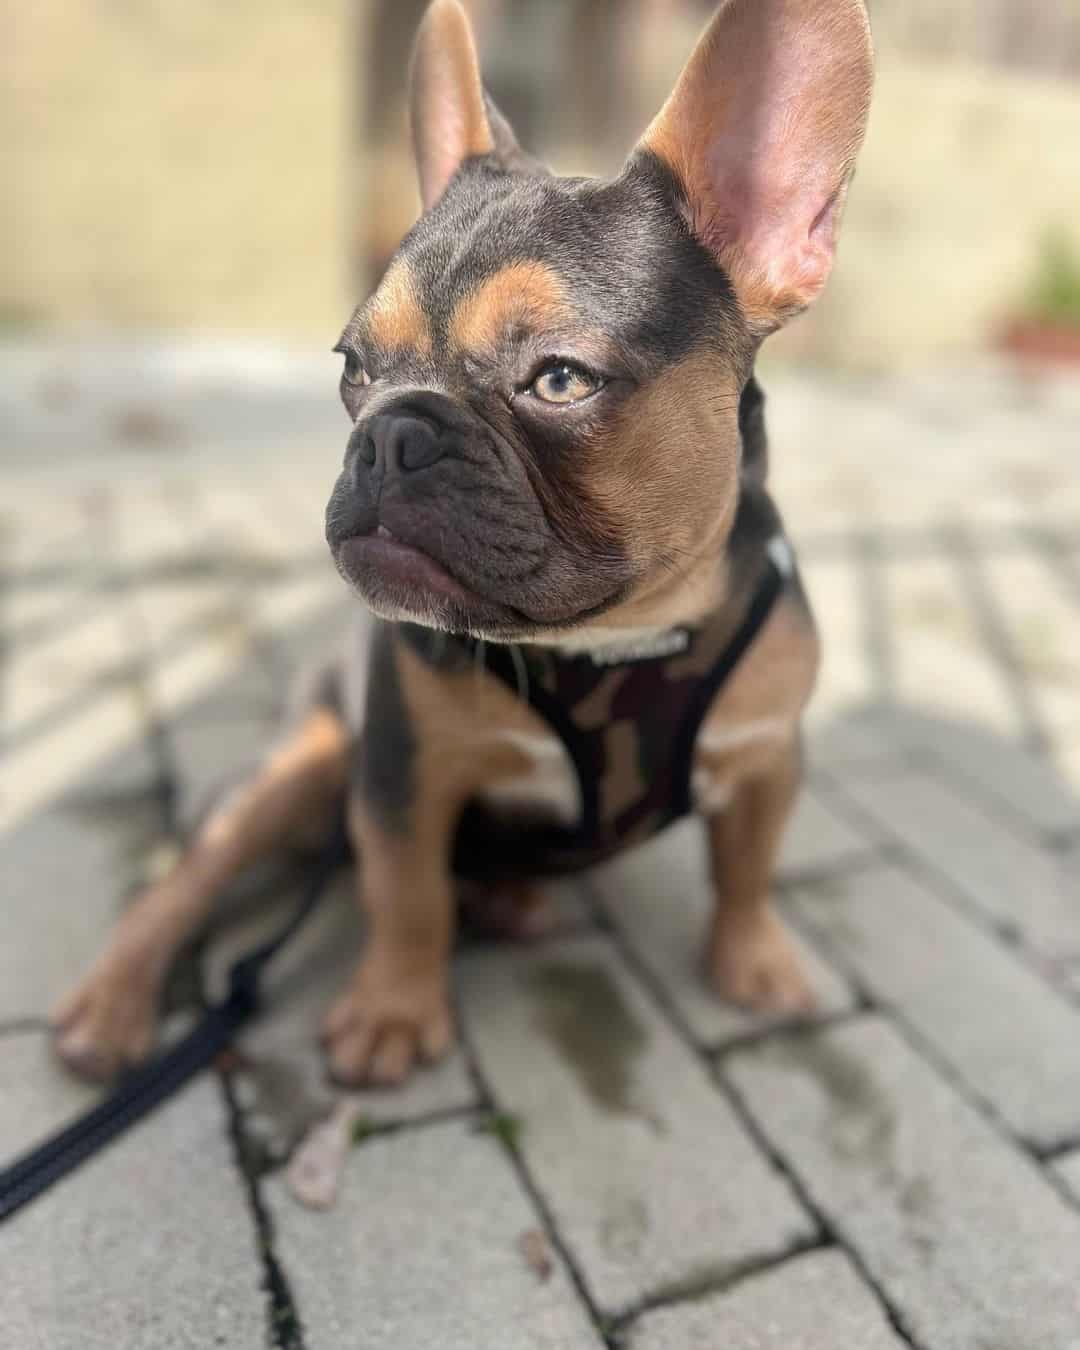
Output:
x=190 y=164
x=178 y=163
x=965 y=170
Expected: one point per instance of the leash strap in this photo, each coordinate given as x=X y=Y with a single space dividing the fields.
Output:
x=139 y=1092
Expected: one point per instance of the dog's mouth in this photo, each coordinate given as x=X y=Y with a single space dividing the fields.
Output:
x=399 y=580
x=403 y=582
x=398 y=562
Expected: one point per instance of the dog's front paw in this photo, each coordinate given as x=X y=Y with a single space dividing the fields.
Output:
x=753 y=962
x=390 y=1019
x=108 y=1023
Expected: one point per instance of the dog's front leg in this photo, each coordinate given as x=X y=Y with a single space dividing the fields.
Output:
x=395 y=1013
x=751 y=958
x=108 y=1022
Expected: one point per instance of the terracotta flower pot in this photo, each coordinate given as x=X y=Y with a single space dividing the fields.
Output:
x=1043 y=341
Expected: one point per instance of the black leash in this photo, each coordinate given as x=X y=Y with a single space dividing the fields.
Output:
x=141 y=1091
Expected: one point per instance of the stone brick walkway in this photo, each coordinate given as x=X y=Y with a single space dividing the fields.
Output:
x=612 y=1158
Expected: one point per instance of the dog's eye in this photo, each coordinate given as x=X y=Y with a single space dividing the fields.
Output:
x=563 y=383
x=355 y=374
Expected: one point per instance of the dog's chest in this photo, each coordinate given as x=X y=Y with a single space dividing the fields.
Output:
x=545 y=785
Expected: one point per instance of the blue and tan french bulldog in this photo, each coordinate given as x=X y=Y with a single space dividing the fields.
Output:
x=554 y=499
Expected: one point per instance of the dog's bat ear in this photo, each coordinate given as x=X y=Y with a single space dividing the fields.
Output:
x=452 y=116
x=507 y=150
x=761 y=133
x=446 y=98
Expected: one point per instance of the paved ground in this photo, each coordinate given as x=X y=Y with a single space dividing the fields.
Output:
x=612 y=1158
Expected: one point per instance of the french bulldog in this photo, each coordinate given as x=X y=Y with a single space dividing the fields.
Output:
x=554 y=500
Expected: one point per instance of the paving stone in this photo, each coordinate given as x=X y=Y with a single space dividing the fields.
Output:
x=649 y=1175
x=66 y=873
x=845 y=678
x=117 y=1254
x=39 y=1095
x=857 y=737
x=660 y=899
x=46 y=679
x=994 y=768
x=817 y=839
x=63 y=755
x=1068 y=1169
x=860 y=742
x=283 y=1081
x=1002 y=1028
x=33 y=613
x=812 y=1302
x=197 y=665
x=1020 y=886
x=941 y=664
x=1065 y=757
x=1069 y=977
x=1041 y=621
x=214 y=746
x=962 y=1233
x=425 y=1248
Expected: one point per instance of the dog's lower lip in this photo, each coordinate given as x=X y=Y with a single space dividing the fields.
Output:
x=384 y=553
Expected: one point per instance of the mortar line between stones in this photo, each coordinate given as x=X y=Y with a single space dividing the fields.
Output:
x=242 y=589
x=830 y=1232
x=7 y=530
x=36 y=631
x=284 y=1327
x=158 y=740
x=919 y=1044
x=25 y=1026
x=926 y=759
x=827 y=1233
x=959 y=549
x=489 y=1102
x=939 y=883
x=739 y=1273
x=1063 y=562
x=922 y=1045
x=123 y=672
x=900 y=543
x=994 y=805
x=166 y=569
x=32 y=632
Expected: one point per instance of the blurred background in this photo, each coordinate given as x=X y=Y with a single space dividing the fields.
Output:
x=191 y=167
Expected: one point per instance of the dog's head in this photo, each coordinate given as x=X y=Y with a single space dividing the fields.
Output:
x=545 y=386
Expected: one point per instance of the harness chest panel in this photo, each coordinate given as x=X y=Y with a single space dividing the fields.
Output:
x=629 y=726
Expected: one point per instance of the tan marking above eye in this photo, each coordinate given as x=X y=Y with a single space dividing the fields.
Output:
x=527 y=293
x=394 y=317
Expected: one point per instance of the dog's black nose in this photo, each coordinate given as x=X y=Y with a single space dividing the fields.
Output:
x=400 y=441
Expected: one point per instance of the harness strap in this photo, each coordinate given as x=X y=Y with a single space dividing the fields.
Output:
x=778 y=569
x=139 y=1092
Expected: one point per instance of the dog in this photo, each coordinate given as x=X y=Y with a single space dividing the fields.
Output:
x=554 y=500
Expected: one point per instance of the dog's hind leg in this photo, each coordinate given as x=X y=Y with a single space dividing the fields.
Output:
x=108 y=1022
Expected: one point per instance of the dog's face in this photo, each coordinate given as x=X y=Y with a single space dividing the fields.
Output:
x=545 y=386
x=543 y=390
